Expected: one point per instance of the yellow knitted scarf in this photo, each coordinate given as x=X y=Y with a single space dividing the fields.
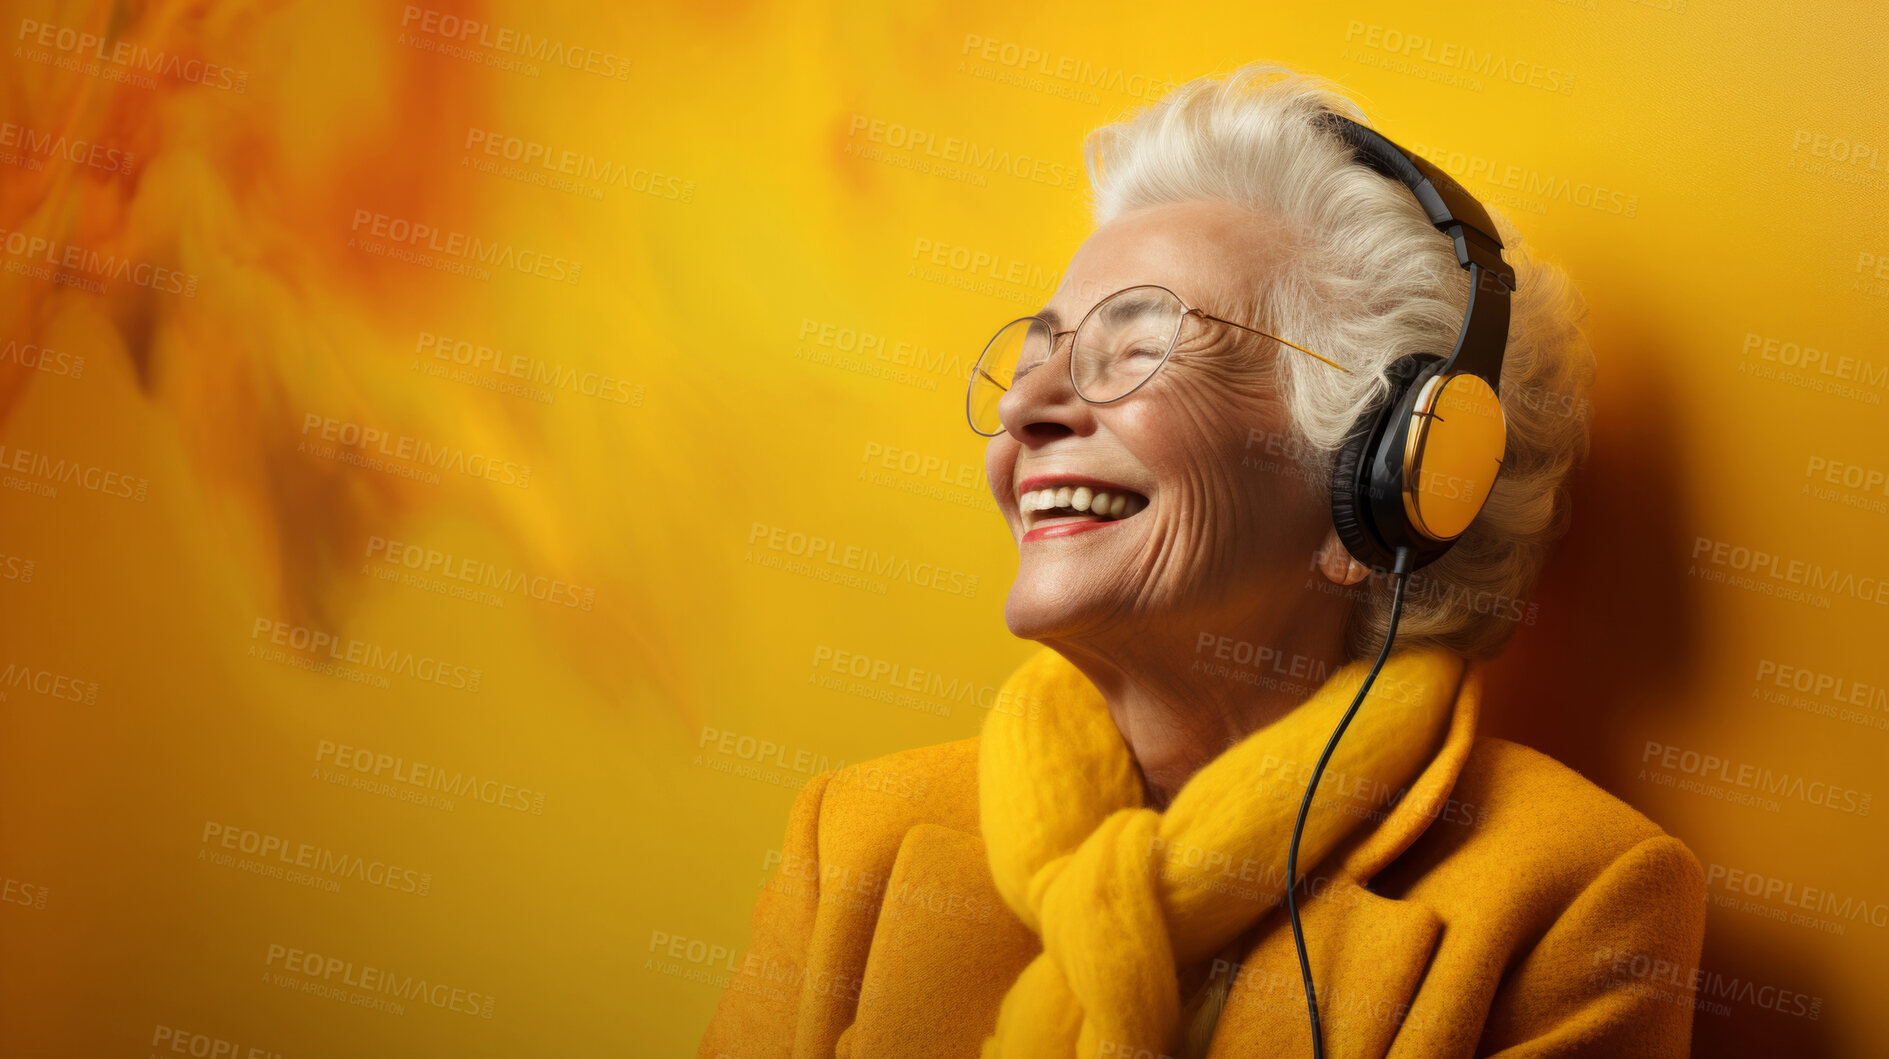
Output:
x=1123 y=896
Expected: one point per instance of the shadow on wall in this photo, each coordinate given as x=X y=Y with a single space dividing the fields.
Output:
x=1617 y=641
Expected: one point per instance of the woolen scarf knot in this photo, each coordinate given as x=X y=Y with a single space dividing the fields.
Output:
x=1123 y=896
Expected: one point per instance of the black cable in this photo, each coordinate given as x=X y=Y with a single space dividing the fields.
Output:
x=1400 y=573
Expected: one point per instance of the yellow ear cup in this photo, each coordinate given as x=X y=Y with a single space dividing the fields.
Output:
x=1452 y=454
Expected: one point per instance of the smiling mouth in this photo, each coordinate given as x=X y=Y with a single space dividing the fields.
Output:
x=1074 y=505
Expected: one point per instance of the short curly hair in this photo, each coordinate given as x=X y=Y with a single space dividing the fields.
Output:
x=1372 y=280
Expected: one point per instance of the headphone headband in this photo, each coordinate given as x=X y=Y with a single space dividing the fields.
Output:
x=1457 y=214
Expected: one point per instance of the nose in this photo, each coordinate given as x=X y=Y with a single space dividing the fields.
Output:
x=1043 y=404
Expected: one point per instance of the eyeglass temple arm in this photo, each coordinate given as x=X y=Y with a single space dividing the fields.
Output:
x=1281 y=341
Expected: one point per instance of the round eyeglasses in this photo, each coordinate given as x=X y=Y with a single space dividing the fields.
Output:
x=1119 y=345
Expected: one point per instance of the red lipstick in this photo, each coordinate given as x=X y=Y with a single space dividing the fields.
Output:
x=1064 y=529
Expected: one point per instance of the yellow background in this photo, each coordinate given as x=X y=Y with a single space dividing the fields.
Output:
x=763 y=189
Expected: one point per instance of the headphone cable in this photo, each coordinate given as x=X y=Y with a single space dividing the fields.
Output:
x=1400 y=572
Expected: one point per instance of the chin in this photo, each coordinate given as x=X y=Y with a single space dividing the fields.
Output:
x=1052 y=602
x=1034 y=611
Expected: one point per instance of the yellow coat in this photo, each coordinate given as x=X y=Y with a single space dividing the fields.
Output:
x=1534 y=915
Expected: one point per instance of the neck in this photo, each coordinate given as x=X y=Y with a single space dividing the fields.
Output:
x=1182 y=698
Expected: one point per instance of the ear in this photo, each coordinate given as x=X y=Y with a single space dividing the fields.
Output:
x=1337 y=564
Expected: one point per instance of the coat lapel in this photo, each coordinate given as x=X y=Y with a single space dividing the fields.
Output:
x=944 y=953
x=1368 y=953
x=1368 y=957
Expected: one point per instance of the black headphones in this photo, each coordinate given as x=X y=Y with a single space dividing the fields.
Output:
x=1417 y=467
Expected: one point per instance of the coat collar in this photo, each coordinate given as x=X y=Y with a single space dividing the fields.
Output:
x=1369 y=953
x=1429 y=795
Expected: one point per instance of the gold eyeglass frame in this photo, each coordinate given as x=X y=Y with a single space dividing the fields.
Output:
x=1056 y=336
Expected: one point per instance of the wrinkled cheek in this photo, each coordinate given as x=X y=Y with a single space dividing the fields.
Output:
x=1205 y=539
x=1223 y=454
x=1204 y=414
x=1175 y=559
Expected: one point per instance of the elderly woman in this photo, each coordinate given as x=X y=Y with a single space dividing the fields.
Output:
x=1157 y=845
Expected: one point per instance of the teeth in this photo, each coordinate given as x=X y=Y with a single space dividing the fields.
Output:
x=1080 y=499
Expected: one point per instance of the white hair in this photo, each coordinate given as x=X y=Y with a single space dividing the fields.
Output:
x=1371 y=280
